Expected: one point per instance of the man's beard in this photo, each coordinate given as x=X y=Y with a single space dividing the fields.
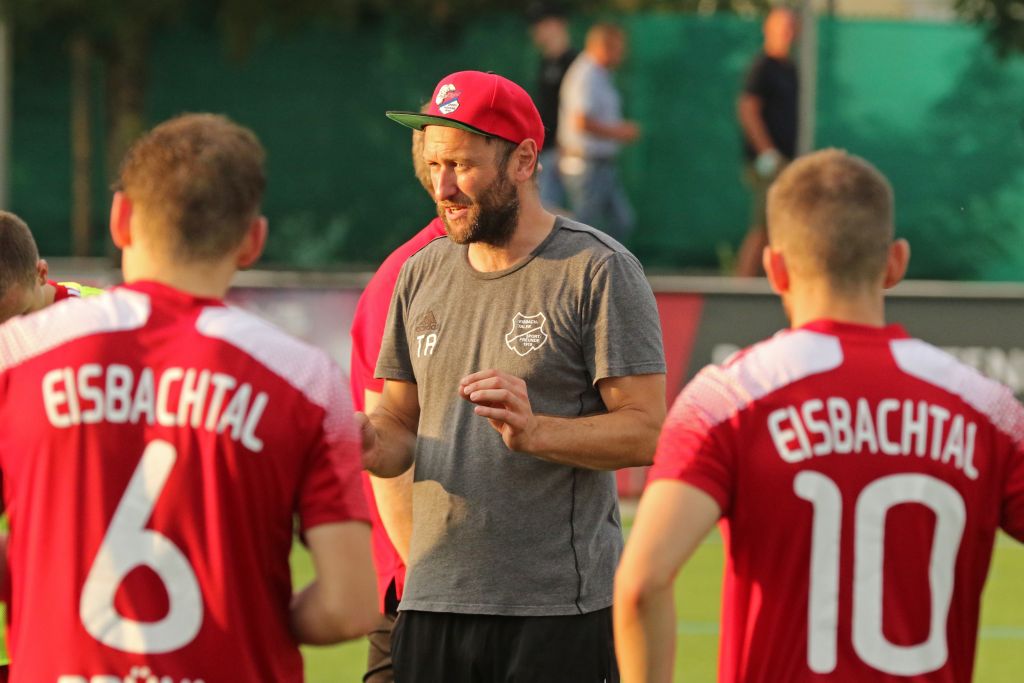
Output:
x=492 y=218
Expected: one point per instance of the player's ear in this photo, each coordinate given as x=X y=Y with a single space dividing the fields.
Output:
x=42 y=271
x=120 y=220
x=253 y=242
x=775 y=268
x=896 y=263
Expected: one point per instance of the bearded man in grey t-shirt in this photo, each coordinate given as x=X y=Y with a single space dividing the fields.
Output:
x=524 y=363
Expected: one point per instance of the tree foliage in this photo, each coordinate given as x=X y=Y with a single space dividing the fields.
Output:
x=1003 y=21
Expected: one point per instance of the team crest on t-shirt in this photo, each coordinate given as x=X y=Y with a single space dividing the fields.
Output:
x=527 y=333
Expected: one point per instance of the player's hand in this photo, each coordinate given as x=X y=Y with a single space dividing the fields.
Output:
x=502 y=398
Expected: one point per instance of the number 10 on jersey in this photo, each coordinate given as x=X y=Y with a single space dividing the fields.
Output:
x=871 y=508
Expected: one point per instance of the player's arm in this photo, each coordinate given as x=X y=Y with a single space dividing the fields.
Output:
x=341 y=602
x=671 y=521
x=625 y=436
x=389 y=433
x=394 y=497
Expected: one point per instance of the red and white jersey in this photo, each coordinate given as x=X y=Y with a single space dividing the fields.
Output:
x=157 y=450
x=862 y=476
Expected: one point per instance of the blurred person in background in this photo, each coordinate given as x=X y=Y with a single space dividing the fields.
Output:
x=390 y=499
x=767 y=109
x=24 y=283
x=859 y=475
x=592 y=131
x=550 y=32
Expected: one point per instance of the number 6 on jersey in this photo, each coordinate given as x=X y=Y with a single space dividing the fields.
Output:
x=127 y=545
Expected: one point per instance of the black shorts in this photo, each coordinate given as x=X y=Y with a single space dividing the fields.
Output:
x=431 y=647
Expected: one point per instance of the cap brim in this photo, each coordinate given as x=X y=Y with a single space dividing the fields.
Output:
x=417 y=121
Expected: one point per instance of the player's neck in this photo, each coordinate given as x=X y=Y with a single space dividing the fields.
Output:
x=206 y=280
x=533 y=227
x=816 y=301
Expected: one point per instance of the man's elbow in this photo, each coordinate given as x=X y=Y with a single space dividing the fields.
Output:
x=636 y=589
x=346 y=621
x=648 y=429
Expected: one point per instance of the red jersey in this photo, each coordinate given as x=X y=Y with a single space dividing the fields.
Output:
x=367 y=330
x=159 y=448
x=862 y=476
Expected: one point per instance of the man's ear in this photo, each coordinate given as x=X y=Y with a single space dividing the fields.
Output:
x=253 y=243
x=524 y=160
x=896 y=263
x=774 y=262
x=42 y=271
x=120 y=220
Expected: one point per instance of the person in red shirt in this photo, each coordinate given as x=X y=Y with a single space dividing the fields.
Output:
x=390 y=499
x=859 y=475
x=24 y=283
x=166 y=444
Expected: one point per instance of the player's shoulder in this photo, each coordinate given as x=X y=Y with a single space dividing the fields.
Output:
x=29 y=336
x=757 y=371
x=944 y=371
x=305 y=367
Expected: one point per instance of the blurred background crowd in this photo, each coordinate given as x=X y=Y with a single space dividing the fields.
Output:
x=671 y=115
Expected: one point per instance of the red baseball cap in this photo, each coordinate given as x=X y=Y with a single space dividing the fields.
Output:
x=482 y=103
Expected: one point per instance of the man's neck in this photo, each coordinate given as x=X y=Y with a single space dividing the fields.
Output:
x=818 y=301
x=532 y=228
x=206 y=280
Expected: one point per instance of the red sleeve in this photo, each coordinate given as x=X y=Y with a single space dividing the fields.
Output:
x=696 y=445
x=332 y=490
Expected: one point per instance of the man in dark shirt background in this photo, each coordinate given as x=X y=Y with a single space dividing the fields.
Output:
x=767 y=110
x=550 y=32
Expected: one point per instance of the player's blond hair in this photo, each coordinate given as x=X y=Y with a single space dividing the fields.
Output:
x=198 y=180
x=831 y=213
x=18 y=253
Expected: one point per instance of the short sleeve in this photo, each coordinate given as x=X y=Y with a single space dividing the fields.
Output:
x=695 y=445
x=1013 y=494
x=621 y=329
x=757 y=82
x=394 y=361
x=331 y=489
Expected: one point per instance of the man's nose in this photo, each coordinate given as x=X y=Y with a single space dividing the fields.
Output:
x=445 y=185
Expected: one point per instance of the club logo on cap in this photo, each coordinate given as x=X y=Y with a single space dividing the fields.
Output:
x=447 y=99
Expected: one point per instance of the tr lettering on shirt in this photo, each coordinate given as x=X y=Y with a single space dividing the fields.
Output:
x=829 y=426
x=208 y=400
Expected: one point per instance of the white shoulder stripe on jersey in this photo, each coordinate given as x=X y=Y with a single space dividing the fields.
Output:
x=32 y=335
x=723 y=391
x=931 y=364
x=305 y=367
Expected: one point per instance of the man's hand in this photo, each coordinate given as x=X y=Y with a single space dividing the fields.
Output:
x=503 y=399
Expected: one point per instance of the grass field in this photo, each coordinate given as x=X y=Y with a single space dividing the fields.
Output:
x=1000 y=645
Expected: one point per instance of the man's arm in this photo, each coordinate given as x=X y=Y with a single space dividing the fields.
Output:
x=341 y=602
x=394 y=497
x=671 y=521
x=625 y=436
x=389 y=433
x=622 y=131
x=748 y=109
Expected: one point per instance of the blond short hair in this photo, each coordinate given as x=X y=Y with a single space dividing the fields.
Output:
x=831 y=213
x=198 y=179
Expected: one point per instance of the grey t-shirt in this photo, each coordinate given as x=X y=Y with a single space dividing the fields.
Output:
x=496 y=531
x=588 y=88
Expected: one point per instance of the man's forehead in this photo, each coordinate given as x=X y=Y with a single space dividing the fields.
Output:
x=448 y=136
